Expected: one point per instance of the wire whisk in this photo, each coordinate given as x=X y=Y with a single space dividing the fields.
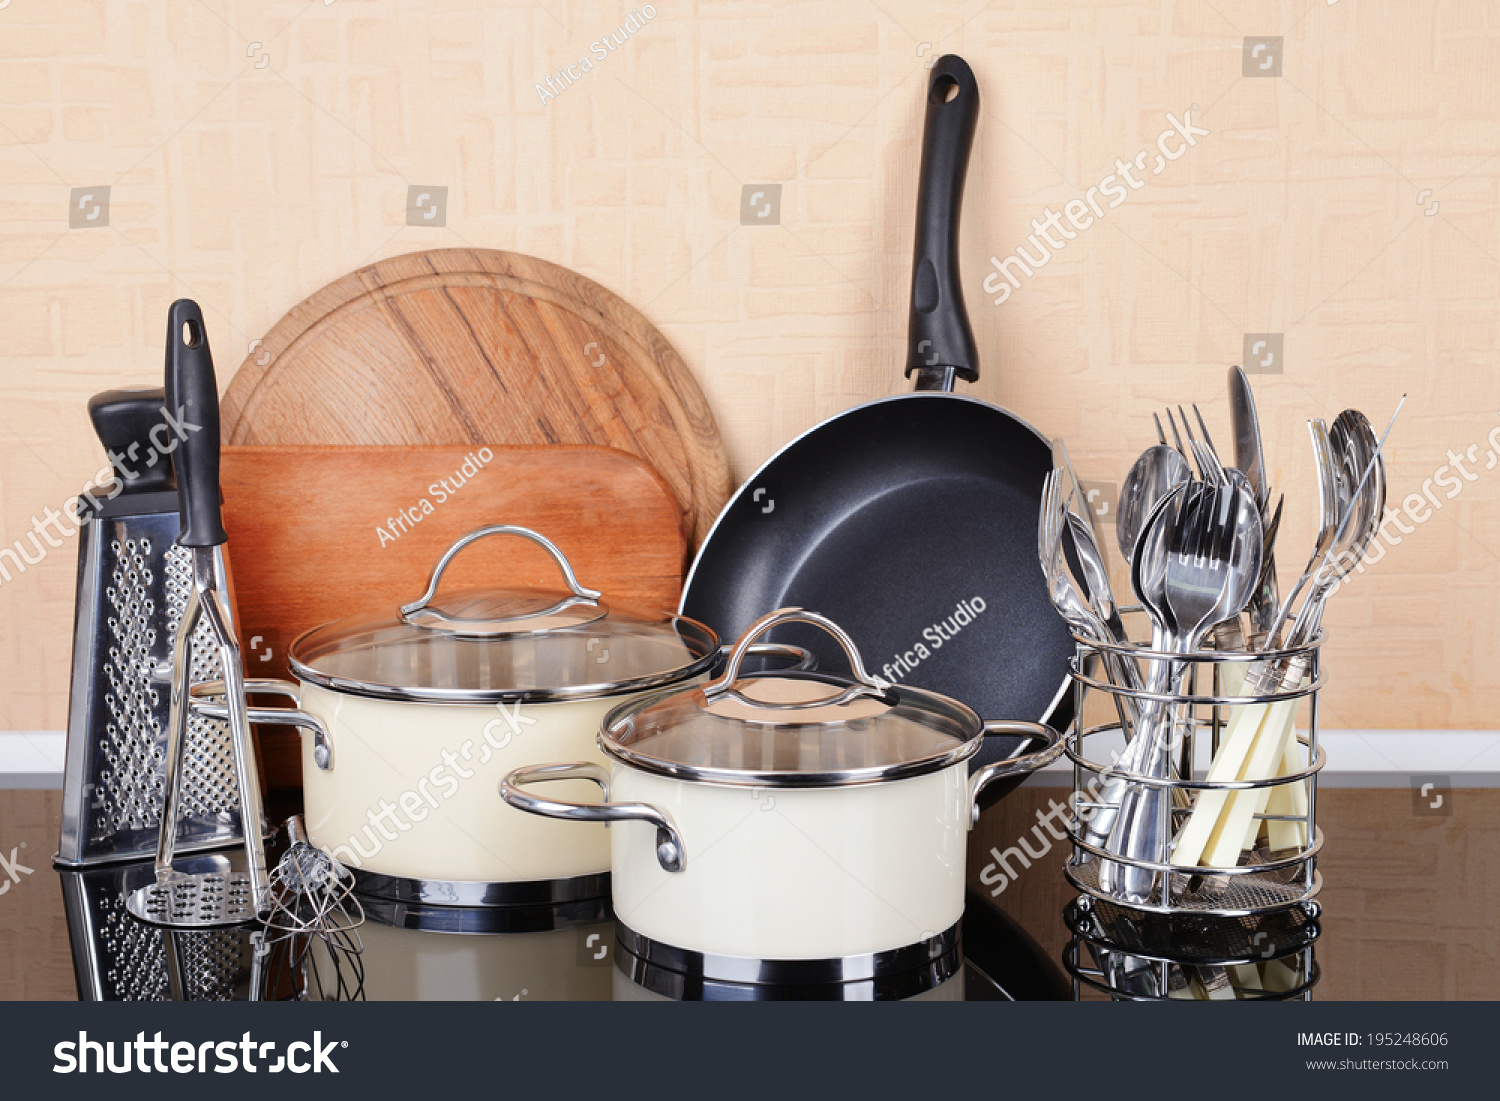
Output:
x=313 y=906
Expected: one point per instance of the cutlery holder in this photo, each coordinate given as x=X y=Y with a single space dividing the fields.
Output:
x=1239 y=830
x=1129 y=956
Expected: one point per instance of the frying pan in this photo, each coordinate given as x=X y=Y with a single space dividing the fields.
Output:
x=909 y=521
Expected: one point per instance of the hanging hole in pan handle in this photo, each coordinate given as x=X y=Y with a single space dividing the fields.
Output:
x=420 y=609
x=866 y=685
x=944 y=89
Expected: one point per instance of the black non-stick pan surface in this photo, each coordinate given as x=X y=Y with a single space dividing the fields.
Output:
x=911 y=521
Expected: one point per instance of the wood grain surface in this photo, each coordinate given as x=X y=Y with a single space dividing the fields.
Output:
x=305 y=542
x=477 y=346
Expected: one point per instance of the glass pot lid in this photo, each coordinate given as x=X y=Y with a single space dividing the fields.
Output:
x=792 y=729
x=504 y=645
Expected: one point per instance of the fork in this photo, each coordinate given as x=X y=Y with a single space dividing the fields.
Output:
x=1328 y=520
x=1203 y=453
x=1229 y=635
x=1209 y=466
x=1213 y=550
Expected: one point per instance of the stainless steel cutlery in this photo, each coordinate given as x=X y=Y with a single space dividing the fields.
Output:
x=1199 y=537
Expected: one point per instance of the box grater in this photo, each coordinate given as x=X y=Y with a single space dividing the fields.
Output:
x=133 y=584
x=119 y=959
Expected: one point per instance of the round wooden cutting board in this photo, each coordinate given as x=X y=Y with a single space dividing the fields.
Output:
x=471 y=346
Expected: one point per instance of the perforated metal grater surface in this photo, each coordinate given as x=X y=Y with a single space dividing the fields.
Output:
x=116 y=958
x=132 y=587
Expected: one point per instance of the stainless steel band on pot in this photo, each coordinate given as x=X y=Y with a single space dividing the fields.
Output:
x=414 y=716
x=779 y=730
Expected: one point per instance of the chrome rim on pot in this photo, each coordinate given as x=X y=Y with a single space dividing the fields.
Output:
x=504 y=646
x=797 y=820
x=416 y=714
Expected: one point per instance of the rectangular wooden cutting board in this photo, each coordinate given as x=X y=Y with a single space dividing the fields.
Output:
x=319 y=533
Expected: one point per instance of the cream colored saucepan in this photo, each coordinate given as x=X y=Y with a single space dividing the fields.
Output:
x=416 y=716
x=786 y=816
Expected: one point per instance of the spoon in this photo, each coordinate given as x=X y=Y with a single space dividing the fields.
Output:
x=1095 y=575
x=1211 y=549
x=1153 y=475
x=1144 y=559
x=1361 y=477
x=1061 y=587
x=1083 y=616
x=1353 y=436
x=1328 y=520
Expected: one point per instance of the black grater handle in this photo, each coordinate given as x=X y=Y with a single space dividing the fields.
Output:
x=193 y=399
x=136 y=436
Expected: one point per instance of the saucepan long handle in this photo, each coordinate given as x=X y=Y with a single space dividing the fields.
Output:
x=940 y=343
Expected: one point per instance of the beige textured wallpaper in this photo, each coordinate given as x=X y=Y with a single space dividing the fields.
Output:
x=1333 y=220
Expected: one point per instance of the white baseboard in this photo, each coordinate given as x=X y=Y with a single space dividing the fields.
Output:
x=32 y=758
x=1376 y=759
x=1356 y=758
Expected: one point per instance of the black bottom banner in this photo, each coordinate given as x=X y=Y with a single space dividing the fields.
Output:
x=750 y=1050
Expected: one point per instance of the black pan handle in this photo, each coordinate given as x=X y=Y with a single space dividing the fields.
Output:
x=193 y=400
x=125 y=421
x=940 y=344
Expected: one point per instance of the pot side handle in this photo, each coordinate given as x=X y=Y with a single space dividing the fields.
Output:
x=206 y=699
x=671 y=853
x=1014 y=766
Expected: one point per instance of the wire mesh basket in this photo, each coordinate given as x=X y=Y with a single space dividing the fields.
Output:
x=1230 y=829
x=1127 y=955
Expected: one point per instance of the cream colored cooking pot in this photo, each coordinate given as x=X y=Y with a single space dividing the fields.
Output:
x=415 y=718
x=787 y=826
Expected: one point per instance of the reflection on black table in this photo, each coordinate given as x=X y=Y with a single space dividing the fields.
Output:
x=570 y=953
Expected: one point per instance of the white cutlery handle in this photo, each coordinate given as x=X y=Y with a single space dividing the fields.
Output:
x=1251 y=734
x=1234 y=747
x=1226 y=841
x=1286 y=799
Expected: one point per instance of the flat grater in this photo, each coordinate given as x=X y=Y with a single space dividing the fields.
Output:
x=133 y=587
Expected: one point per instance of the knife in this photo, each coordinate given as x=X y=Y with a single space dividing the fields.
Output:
x=1073 y=490
x=1250 y=457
